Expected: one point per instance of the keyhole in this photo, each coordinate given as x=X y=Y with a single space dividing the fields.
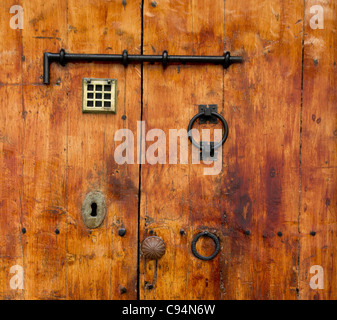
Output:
x=94 y=209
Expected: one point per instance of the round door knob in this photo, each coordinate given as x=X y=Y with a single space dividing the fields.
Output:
x=153 y=248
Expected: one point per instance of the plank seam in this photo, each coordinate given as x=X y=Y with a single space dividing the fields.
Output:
x=23 y=161
x=140 y=153
x=300 y=164
x=67 y=155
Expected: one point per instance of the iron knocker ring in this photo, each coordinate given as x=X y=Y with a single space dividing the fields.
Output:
x=208 y=114
x=213 y=237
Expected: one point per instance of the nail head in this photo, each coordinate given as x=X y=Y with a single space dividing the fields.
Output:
x=122 y=232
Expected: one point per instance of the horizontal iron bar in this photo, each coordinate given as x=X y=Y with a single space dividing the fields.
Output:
x=226 y=60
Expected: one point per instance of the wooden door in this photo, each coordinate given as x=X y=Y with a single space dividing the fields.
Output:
x=272 y=205
x=52 y=155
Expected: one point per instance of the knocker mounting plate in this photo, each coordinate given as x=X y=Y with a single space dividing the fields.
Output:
x=207 y=113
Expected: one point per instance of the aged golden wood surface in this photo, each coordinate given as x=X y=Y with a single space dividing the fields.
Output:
x=256 y=196
x=318 y=171
x=54 y=155
x=260 y=186
x=188 y=199
x=272 y=206
x=101 y=263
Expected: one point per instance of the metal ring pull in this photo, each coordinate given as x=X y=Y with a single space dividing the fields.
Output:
x=208 y=114
x=209 y=235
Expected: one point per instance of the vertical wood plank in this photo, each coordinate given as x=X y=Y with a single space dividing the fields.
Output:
x=44 y=147
x=11 y=253
x=38 y=157
x=260 y=189
x=318 y=170
x=100 y=263
x=44 y=152
x=188 y=198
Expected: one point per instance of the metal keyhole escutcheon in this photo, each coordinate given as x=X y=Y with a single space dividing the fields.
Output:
x=153 y=248
x=93 y=209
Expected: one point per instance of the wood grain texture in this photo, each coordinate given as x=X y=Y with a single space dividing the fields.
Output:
x=189 y=200
x=100 y=262
x=39 y=159
x=273 y=205
x=45 y=30
x=256 y=195
x=44 y=192
x=11 y=47
x=52 y=155
x=260 y=189
x=11 y=247
x=318 y=170
x=44 y=154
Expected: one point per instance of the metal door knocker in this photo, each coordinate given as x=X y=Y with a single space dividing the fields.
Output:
x=213 y=237
x=208 y=114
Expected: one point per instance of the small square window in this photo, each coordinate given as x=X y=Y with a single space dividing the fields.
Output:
x=99 y=95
